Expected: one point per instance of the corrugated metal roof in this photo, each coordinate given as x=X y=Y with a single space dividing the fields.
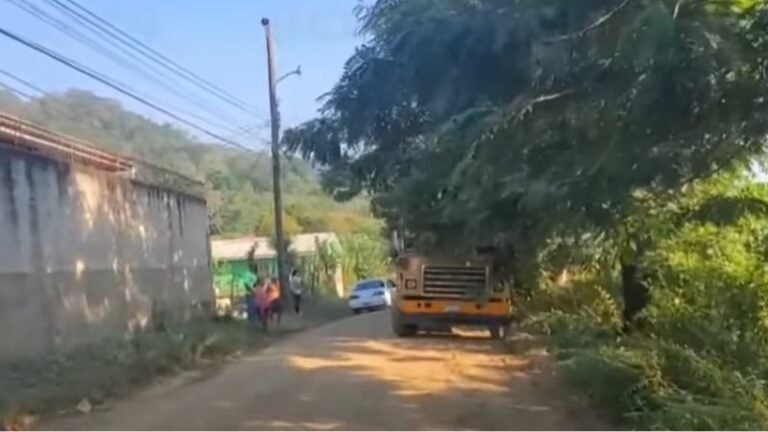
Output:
x=238 y=249
x=31 y=138
x=28 y=137
x=307 y=243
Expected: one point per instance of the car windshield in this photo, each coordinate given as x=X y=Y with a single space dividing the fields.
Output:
x=369 y=285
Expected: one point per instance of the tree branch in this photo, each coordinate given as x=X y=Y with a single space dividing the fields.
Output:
x=591 y=27
x=535 y=101
x=677 y=8
x=549 y=97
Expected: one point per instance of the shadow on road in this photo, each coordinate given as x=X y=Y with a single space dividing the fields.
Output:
x=433 y=381
x=354 y=375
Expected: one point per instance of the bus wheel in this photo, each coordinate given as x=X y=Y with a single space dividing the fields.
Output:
x=497 y=331
x=400 y=328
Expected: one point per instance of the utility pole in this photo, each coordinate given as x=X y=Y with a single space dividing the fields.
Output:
x=277 y=190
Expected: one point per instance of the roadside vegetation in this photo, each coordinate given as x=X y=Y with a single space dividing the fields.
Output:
x=694 y=357
x=363 y=256
x=90 y=376
x=610 y=150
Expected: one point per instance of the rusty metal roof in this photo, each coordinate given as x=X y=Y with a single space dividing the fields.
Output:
x=237 y=249
x=28 y=137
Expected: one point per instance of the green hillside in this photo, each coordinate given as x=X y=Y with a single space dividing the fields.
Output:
x=238 y=183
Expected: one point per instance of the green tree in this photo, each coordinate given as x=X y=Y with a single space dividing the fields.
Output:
x=363 y=256
x=507 y=122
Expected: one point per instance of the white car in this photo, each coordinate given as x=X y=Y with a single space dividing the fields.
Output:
x=370 y=294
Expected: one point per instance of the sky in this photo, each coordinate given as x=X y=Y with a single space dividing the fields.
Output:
x=219 y=40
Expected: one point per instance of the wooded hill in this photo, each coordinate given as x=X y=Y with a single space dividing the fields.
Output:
x=238 y=183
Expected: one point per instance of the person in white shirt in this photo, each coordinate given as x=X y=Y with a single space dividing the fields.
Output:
x=296 y=290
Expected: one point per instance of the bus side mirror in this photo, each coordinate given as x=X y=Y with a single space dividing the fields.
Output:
x=395 y=246
x=485 y=250
x=489 y=252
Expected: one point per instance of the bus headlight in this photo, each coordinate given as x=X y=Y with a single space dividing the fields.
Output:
x=410 y=284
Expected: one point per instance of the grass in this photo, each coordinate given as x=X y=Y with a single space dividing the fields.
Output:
x=656 y=385
x=648 y=381
x=111 y=368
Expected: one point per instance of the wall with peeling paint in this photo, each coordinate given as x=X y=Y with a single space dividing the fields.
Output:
x=86 y=254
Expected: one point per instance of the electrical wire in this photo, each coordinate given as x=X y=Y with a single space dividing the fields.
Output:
x=124 y=38
x=249 y=130
x=149 y=75
x=82 y=13
x=22 y=81
x=116 y=86
x=15 y=90
x=245 y=130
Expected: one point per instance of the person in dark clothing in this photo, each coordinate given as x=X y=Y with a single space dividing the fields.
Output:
x=250 y=303
x=297 y=290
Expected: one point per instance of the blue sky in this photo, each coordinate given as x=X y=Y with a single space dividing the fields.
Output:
x=222 y=41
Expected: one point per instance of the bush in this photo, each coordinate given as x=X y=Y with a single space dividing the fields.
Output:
x=582 y=310
x=700 y=358
x=363 y=256
x=108 y=368
x=613 y=376
x=650 y=379
x=648 y=384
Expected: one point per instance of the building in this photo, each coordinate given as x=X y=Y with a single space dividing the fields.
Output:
x=233 y=258
x=92 y=244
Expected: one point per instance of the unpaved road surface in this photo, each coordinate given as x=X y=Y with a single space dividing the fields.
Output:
x=354 y=374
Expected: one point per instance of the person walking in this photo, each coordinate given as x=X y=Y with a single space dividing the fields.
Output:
x=248 y=297
x=275 y=298
x=262 y=303
x=249 y=280
x=297 y=290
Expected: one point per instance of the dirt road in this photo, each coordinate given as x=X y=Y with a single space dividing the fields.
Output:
x=354 y=374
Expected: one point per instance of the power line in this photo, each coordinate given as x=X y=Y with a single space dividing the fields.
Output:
x=84 y=39
x=117 y=87
x=152 y=76
x=15 y=90
x=248 y=130
x=253 y=126
x=174 y=87
x=243 y=130
x=22 y=81
x=114 y=32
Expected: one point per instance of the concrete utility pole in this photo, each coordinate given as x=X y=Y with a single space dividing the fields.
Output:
x=278 y=194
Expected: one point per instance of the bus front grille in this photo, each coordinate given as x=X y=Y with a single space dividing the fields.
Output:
x=454 y=282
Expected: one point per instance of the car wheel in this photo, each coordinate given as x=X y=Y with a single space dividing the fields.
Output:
x=356 y=311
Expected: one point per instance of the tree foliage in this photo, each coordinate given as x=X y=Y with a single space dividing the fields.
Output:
x=598 y=144
x=498 y=121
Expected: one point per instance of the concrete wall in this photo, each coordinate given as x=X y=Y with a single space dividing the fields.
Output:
x=86 y=254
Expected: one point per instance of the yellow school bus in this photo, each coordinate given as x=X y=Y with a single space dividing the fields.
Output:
x=436 y=292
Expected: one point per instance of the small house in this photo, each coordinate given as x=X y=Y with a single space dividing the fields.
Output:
x=234 y=260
